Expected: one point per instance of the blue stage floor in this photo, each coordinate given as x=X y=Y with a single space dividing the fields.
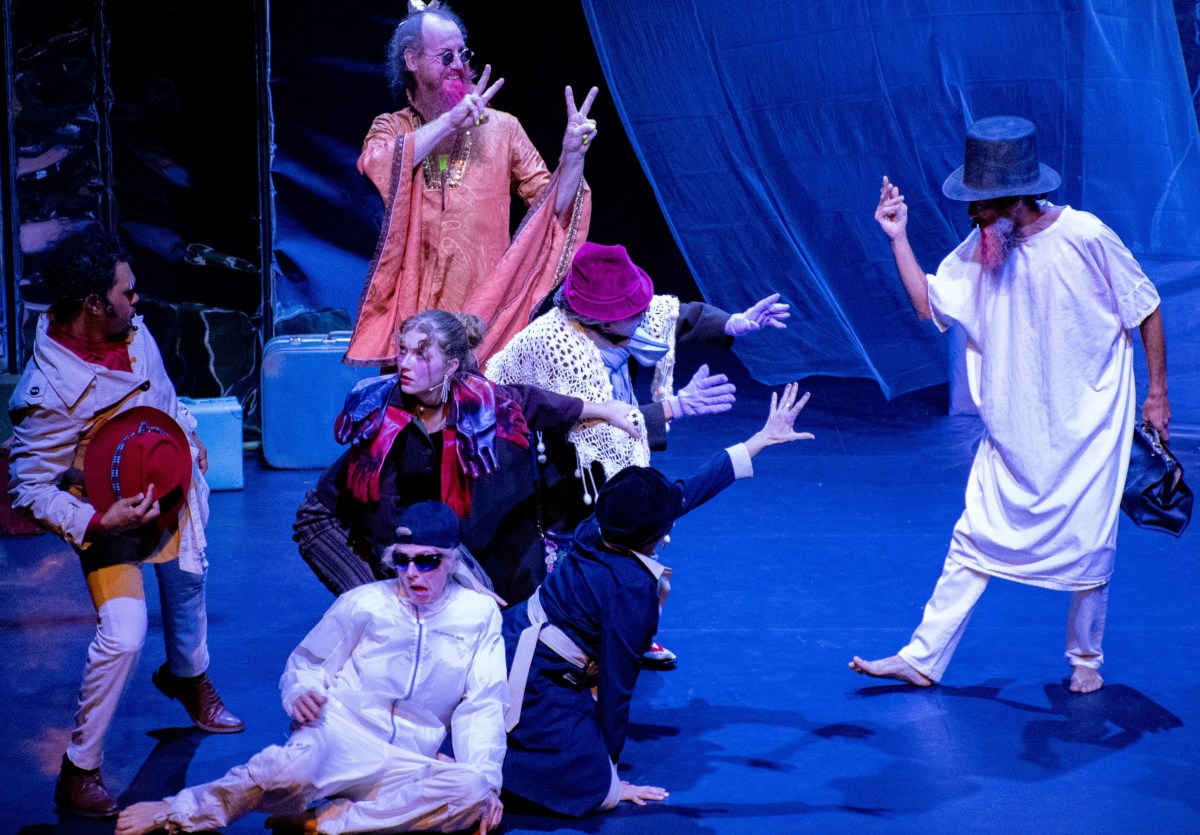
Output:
x=831 y=550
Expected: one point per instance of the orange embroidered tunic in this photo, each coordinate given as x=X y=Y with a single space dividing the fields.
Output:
x=444 y=241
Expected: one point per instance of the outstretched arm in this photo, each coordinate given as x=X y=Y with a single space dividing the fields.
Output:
x=734 y=463
x=781 y=418
x=892 y=216
x=765 y=313
x=579 y=134
x=1156 y=411
x=705 y=394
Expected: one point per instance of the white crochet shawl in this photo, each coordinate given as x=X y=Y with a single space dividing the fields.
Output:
x=554 y=353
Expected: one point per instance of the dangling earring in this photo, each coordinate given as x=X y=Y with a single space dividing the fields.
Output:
x=445 y=389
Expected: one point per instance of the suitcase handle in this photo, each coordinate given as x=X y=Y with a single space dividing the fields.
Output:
x=332 y=336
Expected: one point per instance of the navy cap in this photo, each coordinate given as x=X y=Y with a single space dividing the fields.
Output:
x=638 y=506
x=428 y=523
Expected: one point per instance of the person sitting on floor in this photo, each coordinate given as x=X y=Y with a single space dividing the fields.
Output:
x=374 y=689
x=586 y=625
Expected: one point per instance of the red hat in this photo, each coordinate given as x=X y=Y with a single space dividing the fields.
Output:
x=604 y=284
x=139 y=447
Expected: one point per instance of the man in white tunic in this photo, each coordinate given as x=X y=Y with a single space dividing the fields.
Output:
x=1048 y=297
x=374 y=688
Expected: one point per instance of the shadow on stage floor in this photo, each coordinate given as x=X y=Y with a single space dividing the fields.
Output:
x=830 y=551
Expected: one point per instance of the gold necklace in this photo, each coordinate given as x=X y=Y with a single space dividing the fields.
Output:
x=443 y=171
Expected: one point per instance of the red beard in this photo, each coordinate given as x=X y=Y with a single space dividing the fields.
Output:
x=454 y=89
x=996 y=243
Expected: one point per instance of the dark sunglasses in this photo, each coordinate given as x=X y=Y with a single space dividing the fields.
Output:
x=447 y=56
x=423 y=562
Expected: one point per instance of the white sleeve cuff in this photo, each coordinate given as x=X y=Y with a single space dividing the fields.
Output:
x=933 y=314
x=740 y=456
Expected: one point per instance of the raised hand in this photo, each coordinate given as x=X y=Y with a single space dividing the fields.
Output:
x=705 y=394
x=580 y=129
x=892 y=212
x=766 y=313
x=782 y=416
x=470 y=108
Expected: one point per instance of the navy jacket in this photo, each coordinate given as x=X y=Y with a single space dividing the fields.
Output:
x=560 y=754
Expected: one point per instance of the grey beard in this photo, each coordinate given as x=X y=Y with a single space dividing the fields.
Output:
x=996 y=243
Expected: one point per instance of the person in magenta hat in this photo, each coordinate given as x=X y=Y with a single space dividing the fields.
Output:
x=1048 y=298
x=106 y=457
x=606 y=319
x=373 y=691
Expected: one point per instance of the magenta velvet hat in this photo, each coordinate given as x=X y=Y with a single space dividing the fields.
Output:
x=604 y=284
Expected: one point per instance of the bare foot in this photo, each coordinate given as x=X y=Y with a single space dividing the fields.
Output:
x=142 y=817
x=1085 y=679
x=891 y=667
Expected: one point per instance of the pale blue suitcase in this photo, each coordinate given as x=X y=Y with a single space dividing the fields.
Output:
x=219 y=425
x=304 y=383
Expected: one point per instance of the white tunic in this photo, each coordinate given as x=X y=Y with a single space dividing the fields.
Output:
x=1050 y=367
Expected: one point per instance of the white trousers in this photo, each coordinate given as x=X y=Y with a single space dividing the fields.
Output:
x=380 y=787
x=954 y=598
x=119 y=596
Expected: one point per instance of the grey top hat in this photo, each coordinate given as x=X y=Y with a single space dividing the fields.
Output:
x=1001 y=161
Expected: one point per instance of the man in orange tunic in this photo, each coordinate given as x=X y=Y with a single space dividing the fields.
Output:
x=445 y=167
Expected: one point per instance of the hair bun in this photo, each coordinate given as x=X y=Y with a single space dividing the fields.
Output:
x=474 y=327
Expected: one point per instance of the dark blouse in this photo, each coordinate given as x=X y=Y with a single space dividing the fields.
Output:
x=501 y=517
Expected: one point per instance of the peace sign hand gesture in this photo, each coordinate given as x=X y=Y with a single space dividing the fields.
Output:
x=470 y=108
x=580 y=129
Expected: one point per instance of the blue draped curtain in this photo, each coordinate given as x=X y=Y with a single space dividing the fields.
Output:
x=765 y=128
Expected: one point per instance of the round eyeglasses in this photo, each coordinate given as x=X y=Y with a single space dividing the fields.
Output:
x=447 y=56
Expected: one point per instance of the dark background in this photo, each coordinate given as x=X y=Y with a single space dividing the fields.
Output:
x=171 y=126
x=328 y=83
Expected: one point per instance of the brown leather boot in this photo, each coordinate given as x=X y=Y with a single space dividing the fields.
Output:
x=81 y=791
x=199 y=698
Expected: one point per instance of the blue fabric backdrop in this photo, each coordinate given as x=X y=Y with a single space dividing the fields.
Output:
x=765 y=128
